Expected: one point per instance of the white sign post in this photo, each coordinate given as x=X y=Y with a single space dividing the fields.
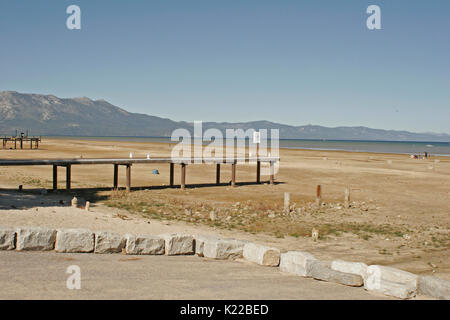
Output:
x=257 y=141
x=256 y=137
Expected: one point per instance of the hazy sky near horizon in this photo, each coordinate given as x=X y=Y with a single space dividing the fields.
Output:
x=290 y=61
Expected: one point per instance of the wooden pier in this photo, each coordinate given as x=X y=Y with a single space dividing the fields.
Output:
x=19 y=141
x=182 y=162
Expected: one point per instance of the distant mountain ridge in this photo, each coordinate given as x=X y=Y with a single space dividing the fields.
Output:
x=50 y=115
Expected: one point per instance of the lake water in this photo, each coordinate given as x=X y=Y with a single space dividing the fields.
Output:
x=402 y=147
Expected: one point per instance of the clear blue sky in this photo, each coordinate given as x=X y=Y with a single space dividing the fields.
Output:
x=295 y=62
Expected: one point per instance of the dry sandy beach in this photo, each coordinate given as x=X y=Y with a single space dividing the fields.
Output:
x=399 y=214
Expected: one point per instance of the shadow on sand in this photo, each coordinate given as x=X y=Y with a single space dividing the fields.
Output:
x=39 y=197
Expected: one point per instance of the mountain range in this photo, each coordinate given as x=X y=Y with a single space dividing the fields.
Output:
x=50 y=115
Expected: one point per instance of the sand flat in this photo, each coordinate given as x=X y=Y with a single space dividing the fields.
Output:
x=402 y=205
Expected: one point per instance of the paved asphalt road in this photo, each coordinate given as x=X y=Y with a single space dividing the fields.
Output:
x=42 y=275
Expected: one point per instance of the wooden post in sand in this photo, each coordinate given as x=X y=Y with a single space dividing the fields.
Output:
x=287 y=199
x=257 y=141
x=128 y=168
x=55 y=177
x=319 y=196
x=68 y=176
x=217 y=173
x=233 y=174
x=116 y=177
x=171 y=174
x=258 y=171
x=272 y=178
x=347 y=198
x=183 y=176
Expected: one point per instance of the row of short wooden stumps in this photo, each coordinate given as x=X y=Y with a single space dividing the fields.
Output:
x=287 y=208
x=287 y=199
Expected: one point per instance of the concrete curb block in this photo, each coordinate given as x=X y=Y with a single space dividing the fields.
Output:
x=358 y=268
x=142 y=244
x=7 y=238
x=35 y=238
x=296 y=262
x=322 y=270
x=434 y=287
x=261 y=255
x=200 y=243
x=223 y=249
x=74 y=240
x=178 y=244
x=109 y=242
x=381 y=279
x=391 y=281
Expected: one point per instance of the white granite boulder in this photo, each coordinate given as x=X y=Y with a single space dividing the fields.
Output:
x=74 y=240
x=35 y=238
x=261 y=255
x=321 y=270
x=143 y=244
x=109 y=242
x=296 y=262
x=176 y=244
x=7 y=238
x=434 y=287
x=358 y=268
x=200 y=243
x=391 y=281
x=223 y=248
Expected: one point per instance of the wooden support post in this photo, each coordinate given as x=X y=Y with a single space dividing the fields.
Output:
x=319 y=191
x=347 y=198
x=287 y=200
x=68 y=176
x=171 y=174
x=233 y=174
x=128 y=169
x=258 y=171
x=55 y=177
x=116 y=177
x=31 y=143
x=217 y=173
x=319 y=195
x=183 y=176
x=272 y=173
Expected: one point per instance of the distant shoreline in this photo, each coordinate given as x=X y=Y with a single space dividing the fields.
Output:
x=281 y=139
x=360 y=146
